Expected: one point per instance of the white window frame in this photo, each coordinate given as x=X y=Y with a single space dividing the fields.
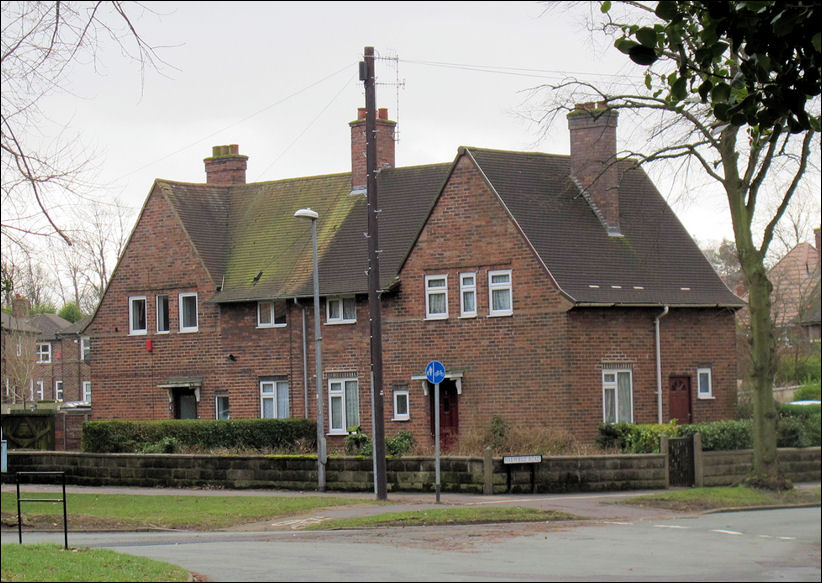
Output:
x=132 y=301
x=272 y=315
x=340 y=302
x=167 y=314
x=270 y=391
x=41 y=391
x=87 y=391
x=706 y=370
x=613 y=385
x=468 y=288
x=507 y=286
x=430 y=292
x=85 y=348
x=183 y=297
x=222 y=408
x=344 y=390
x=405 y=394
x=58 y=390
x=44 y=356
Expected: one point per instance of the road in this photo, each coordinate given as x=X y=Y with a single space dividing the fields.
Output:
x=762 y=545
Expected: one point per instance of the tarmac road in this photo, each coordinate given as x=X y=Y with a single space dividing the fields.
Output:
x=617 y=542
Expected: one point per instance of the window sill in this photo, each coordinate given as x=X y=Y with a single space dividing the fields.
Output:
x=501 y=315
x=138 y=333
x=339 y=322
x=266 y=326
x=163 y=332
x=401 y=419
x=192 y=331
x=706 y=397
x=434 y=318
x=468 y=317
x=334 y=433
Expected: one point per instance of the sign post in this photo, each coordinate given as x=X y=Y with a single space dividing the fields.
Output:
x=435 y=373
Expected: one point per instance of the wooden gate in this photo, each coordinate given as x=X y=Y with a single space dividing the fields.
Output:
x=681 y=461
x=29 y=430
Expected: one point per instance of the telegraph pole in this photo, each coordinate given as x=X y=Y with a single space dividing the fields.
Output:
x=374 y=309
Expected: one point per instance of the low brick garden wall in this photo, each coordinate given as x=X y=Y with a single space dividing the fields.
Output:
x=409 y=474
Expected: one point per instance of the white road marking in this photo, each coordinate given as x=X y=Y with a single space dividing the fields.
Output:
x=670 y=526
x=726 y=531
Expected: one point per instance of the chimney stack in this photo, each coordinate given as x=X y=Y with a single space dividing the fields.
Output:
x=226 y=166
x=593 y=160
x=20 y=306
x=385 y=147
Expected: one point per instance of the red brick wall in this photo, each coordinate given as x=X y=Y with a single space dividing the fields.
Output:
x=540 y=367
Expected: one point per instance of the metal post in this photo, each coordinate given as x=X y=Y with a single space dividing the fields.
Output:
x=437 y=438
x=321 y=452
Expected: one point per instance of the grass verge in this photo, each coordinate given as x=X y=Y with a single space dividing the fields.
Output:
x=446 y=516
x=702 y=499
x=49 y=562
x=118 y=511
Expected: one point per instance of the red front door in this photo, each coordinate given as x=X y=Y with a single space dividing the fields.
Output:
x=449 y=413
x=680 y=400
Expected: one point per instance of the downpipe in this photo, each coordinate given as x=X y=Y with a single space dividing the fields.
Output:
x=659 y=365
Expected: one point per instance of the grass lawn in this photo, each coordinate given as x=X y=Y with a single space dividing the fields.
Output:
x=183 y=512
x=49 y=562
x=445 y=516
x=700 y=499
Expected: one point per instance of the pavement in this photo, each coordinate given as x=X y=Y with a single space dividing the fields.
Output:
x=593 y=506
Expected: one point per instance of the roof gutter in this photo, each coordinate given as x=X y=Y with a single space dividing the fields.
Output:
x=659 y=365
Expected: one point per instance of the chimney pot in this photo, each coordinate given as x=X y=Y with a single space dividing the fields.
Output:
x=361 y=113
x=382 y=113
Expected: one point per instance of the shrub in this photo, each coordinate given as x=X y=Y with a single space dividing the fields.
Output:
x=809 y=392
x=630 y=438
x=198 y=435
x=400 y=444
x=358 y=443
x=722 y=435
x=796 y=369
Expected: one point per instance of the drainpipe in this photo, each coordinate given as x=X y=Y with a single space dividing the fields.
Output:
x=305 y=361
x=659 y=366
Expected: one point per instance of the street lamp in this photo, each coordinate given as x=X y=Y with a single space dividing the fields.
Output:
x=307 y=213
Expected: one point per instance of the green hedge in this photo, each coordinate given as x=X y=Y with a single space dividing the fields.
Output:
x=199 y=434
x=797 y=426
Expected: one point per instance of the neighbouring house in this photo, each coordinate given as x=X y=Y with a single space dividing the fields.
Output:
x=559 y=292
x=45 y=358
x=795 y=297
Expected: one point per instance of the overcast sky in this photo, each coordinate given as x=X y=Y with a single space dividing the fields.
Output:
x=281 y=80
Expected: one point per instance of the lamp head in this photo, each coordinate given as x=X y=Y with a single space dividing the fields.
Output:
x=307 y=214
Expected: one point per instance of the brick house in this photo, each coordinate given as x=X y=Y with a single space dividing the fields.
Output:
x=549 y=286
x=45 y=358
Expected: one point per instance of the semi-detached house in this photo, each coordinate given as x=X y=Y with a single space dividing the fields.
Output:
x=558 y=291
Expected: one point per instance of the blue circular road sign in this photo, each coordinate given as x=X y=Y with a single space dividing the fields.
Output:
x=435 y=372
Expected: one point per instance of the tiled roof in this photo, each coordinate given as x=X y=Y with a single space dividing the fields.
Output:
x=655 y=262
x=255 y=249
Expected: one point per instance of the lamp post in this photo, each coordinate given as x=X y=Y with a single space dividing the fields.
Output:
x=307 y=213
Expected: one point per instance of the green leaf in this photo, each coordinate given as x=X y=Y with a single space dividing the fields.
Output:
x=816 y=40
x=721 y=111
x=647 y=36
x=679 y=90
x=605 y=7
x=648 y=81
x=642 y=55
x=815 y=124
x=666 y=10
x=721 y=93
x=704 y=89
x=624 y=45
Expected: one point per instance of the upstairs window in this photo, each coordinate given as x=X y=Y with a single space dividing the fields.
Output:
x=85 y=348
x=163 y=326
x=43 y=352
x=58 y=390
x=341 y=310
x=137 y=315
x=468 y=295
x=188 y=312
x=436 y=297
x=499 y=291
x=270 y=314
x=87 y=391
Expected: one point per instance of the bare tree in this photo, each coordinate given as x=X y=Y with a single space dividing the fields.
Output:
x=40 y=42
